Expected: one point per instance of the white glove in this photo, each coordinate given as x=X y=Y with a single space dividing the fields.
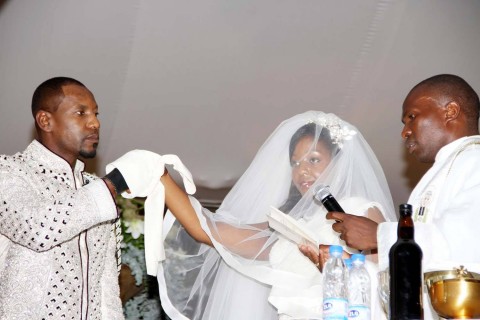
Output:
x=142 y=170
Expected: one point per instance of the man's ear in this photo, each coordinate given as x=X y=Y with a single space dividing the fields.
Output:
x=44 y=120
x=452 y=111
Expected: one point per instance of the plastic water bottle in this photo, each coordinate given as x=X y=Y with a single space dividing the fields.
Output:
x=335 y=302
x=348 y=263
x=359 y=290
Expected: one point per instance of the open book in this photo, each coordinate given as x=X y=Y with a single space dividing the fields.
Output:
x=291 y=228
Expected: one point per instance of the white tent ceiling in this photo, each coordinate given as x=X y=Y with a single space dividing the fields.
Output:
x=209 y=80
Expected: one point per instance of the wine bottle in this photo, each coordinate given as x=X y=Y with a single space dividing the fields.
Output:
x=405 y=265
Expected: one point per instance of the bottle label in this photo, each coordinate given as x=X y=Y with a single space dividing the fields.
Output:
x=335 y=308
x=359 y=312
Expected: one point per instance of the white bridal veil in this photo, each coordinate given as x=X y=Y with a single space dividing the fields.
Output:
x=253 y=272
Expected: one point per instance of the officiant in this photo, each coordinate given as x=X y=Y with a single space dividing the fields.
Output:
x=440 y=117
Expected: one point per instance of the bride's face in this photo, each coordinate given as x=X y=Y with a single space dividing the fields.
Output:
x=308 y=162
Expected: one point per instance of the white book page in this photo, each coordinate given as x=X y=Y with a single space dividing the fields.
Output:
x=291 y=228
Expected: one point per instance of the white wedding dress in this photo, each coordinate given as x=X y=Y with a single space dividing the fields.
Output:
x=262 y=276
x=304 y=301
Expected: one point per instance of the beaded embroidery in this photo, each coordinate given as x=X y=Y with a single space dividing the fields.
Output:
x=43 y=276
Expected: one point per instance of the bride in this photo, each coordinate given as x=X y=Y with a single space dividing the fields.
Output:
x=230 y=264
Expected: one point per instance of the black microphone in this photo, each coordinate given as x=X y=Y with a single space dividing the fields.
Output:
x=322 y=194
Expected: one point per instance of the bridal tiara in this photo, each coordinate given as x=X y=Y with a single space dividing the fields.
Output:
x=339 y=130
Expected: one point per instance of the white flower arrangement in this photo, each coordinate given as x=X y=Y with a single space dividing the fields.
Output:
x=140 y=306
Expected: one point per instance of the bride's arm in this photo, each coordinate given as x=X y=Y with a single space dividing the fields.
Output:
x=239 y=240
x=179 y=204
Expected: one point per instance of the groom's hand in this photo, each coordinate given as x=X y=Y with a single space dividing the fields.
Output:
x=141 y=170
x=115 y=182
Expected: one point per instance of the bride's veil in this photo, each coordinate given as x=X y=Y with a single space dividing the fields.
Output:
x=234 y=279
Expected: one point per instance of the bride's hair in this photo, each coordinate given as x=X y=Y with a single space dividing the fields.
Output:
x=312 y=130
x=309 y=130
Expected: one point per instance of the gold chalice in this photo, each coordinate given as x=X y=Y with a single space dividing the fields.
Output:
x=454 y=294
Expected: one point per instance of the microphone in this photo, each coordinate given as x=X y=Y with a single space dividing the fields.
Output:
x=322 y=194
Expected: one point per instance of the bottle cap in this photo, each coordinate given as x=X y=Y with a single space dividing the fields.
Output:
x=405 y=206
x=405 y=210
x=348 y=263
x=335 y=249
x=357 y=257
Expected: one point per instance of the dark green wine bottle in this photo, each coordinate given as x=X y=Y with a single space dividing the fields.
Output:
x=405 y=263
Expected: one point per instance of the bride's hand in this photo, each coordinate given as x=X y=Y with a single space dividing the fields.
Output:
x=317 y=259
x=309 y=253
x=321 y=258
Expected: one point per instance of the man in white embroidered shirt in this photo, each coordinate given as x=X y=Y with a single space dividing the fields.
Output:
x=57 y=224
x=440 y=116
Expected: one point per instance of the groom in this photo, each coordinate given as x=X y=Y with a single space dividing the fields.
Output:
x=58 y=223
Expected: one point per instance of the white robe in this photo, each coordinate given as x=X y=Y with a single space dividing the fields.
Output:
x=447 y=232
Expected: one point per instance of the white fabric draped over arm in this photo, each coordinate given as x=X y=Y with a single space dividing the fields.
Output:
x=142 y=170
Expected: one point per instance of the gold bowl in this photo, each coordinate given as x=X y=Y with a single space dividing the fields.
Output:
x=454 y=293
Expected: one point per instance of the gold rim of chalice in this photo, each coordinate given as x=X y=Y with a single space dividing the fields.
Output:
x=454 y=293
